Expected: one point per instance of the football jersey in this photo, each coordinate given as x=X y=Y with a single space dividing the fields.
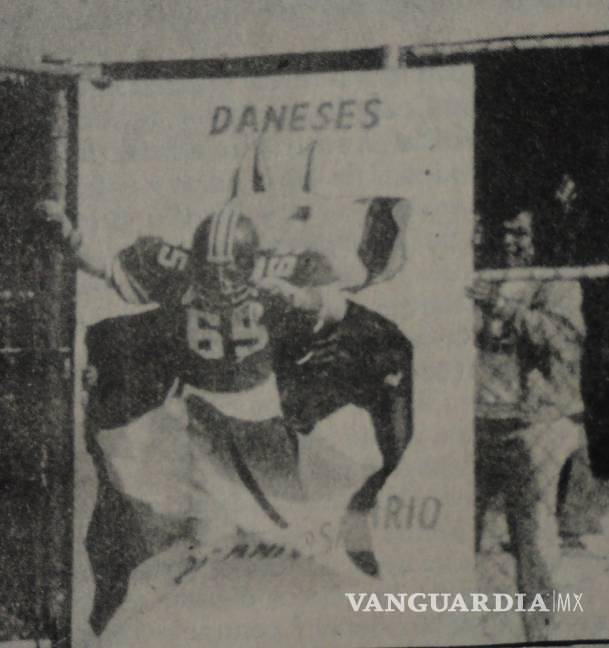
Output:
x=223 y=346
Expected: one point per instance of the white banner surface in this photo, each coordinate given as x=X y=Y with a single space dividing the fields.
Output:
x=158 y=156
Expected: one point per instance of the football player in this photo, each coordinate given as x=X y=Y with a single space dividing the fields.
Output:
x=239 y=308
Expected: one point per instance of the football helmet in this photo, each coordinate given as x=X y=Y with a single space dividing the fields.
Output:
x=223 y=255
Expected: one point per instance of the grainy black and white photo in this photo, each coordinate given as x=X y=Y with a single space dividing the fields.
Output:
x=303 y=323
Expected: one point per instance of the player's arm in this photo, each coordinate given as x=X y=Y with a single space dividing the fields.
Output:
x=88 y=255
x=149 y=270
x=322 y=304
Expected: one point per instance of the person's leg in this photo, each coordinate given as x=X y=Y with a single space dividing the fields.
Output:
x=391 y=417
x=115 y=546
x=564 y=483
x=363 y=360
x=533 y=533
x=552 y=446
x=582 y=506
x=131 y=367
x=256 y=461
x=141 y=506
x=488 y=466
x=388 y=400
x=392 y=420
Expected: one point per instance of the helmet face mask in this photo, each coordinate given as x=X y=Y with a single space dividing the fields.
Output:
x=233 y=283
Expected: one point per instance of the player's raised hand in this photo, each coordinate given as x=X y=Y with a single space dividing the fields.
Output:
x=53 y=212
x=302 y=298
x=481 y=292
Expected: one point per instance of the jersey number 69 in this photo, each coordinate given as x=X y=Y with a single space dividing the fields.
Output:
x=246 y=334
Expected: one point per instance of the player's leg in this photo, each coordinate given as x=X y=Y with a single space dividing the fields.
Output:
x=131 y=366
x=257 y=461
x=391 y=414
x=363 y=360
x=385 y=359
x=142 y=502
x=112 y=556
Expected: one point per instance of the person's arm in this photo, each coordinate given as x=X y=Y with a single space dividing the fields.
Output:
x=149 y=270
x=88 y=255
x=550 y=316
x=555 y=320
x=325 y=304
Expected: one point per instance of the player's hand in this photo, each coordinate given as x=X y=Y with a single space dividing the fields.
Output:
x=53 y=212
x=89 y=377
x=298 y=297
x=482 y=292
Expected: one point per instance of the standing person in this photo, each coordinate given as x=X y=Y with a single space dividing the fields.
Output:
x=529 y=341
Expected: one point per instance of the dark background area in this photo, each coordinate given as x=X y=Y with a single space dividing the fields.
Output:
x=36 y=332
x=540 y=114
x=23 y=127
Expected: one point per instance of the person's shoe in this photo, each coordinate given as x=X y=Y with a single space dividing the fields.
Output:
x=365 y=561
x=358 y=542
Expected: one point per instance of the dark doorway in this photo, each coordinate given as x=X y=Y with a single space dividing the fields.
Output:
x=541 y=115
